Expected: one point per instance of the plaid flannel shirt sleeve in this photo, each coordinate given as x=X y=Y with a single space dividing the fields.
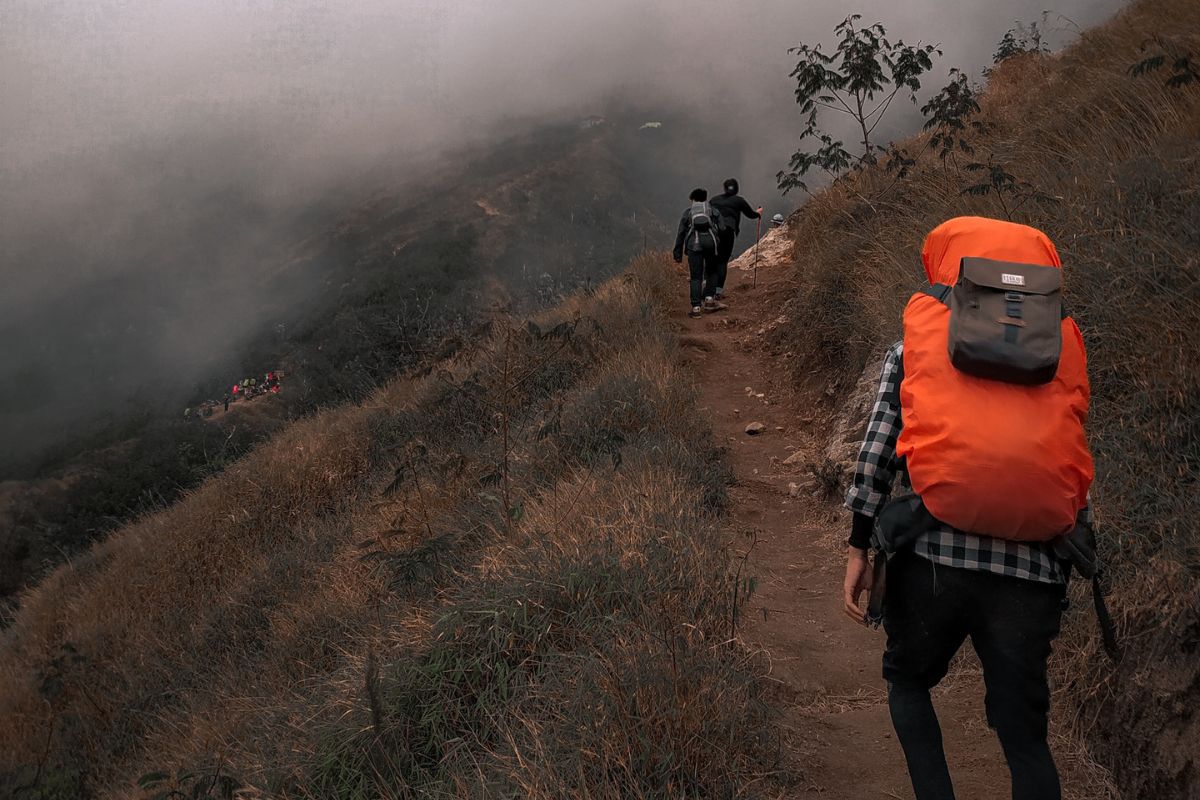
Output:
x=875 y=469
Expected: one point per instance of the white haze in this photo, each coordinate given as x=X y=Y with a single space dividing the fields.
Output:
x=331 y=83
x=113 y=109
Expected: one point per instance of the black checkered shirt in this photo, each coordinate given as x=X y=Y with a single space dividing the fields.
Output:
x=878 y=468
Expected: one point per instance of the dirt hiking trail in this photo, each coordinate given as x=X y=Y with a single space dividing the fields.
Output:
x=824 y=669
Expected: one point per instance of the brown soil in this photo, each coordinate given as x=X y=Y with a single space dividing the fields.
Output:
x=825 y=669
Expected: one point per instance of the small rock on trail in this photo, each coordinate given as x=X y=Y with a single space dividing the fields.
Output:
x=755 y=428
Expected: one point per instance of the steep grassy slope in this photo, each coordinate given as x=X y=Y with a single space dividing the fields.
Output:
x=343 y=300
x=502 y=578
x=1107 y=164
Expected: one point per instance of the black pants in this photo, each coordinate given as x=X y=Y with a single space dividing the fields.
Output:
x=724 y=253
x=702 y=264
x=929 y=612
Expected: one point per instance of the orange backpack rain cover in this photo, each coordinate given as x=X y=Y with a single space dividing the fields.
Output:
x=985 y=456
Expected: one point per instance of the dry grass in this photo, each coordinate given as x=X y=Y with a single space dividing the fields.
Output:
x=1119 y=159
x=505 y=578
x=502 y=578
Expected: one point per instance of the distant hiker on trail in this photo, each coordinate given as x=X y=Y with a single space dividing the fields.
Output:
x=699 y=235
x=732 y=207
x=988 y=432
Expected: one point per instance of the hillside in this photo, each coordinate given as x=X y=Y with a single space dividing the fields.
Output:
x=436 y=589
x=340 y=300
x=1107 y=163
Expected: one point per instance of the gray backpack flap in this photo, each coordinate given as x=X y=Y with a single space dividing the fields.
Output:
x=1006 y=321
x=704 y=232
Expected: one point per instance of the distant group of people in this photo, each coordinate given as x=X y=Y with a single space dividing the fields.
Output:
x=249 y=388
x=707 y=232
x=246 y=389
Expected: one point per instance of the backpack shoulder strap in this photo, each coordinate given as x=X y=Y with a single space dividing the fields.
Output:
x=939 y=292
x=1108 y=633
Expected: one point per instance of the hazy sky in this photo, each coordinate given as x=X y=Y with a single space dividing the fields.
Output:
x=118 y=115
x=284 y=95
x=332 y=77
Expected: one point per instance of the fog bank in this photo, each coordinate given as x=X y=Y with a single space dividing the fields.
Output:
x=156 y=156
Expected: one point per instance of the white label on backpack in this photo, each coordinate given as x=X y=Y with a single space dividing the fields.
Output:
x=1012 y=280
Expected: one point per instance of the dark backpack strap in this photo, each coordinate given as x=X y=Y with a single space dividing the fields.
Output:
x=875 y=598
x=939 y=292
x=1108 y=633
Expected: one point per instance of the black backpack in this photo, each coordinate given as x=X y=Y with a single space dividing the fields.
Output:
x=704 y=230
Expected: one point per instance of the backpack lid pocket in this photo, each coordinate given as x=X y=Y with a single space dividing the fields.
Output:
x=1010 y=276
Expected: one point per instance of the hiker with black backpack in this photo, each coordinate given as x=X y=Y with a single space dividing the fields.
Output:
x=731 y=207
x=979 y=417
x=699 y=235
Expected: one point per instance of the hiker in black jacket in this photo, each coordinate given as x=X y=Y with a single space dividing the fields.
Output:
x=731 y=207
x=699 y=235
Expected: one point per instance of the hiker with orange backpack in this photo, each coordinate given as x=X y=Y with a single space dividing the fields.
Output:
x=699 y=235
x=979 y=415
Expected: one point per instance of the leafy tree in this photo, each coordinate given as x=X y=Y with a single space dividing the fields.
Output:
x=1185 y=69
x=1010 y=191
x=898 y=161
x=860 y=79
x=1022 y=39
x=948 y=114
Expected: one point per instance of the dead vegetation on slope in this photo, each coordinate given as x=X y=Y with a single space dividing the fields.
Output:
x=503 y=578
x=1107 y=163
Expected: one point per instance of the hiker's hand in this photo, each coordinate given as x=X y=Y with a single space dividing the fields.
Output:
x=858 y=580
x=678 y=259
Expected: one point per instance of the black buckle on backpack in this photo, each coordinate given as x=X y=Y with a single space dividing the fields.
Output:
x=1012 y=304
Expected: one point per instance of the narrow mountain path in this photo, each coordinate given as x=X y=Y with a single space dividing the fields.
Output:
x=825 y=670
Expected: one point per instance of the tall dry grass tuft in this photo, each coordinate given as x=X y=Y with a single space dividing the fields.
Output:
x=593 y=659
x=504 y=577
x=1112 y=163
x=589 y=651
